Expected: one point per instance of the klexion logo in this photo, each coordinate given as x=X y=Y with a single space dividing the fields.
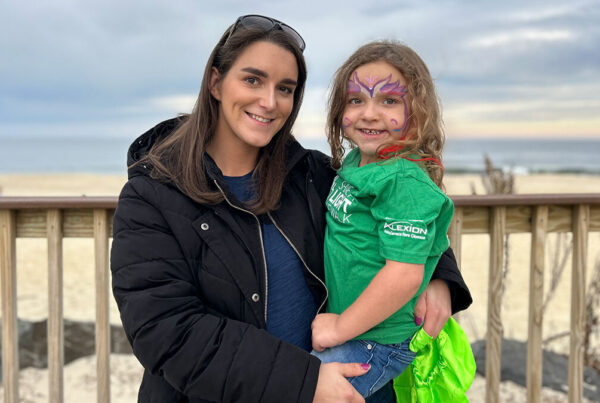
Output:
x=409 y=229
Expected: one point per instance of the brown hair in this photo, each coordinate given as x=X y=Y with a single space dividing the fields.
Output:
x=180 y=156
x=424 y=135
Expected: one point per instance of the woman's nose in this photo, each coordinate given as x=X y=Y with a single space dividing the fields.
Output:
x=267 y=99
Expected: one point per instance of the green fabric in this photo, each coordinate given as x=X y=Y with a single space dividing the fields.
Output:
x=442 y=371
x=385 y=210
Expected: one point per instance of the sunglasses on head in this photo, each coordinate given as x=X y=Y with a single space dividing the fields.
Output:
x=267 y=23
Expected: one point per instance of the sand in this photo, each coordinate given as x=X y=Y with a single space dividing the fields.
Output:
x=126 y=372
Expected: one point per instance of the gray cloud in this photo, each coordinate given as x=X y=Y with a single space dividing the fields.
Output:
x=97 y=61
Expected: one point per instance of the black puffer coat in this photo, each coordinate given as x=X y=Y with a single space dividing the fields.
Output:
x=190 y=280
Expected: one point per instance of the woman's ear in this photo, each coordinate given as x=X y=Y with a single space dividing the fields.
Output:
x=213 y=84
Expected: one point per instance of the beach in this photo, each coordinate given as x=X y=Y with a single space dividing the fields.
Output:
x=126 y=372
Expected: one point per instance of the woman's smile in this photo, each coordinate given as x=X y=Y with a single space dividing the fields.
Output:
x=259 y=119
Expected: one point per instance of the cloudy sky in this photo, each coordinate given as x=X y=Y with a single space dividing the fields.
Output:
x=115 y=68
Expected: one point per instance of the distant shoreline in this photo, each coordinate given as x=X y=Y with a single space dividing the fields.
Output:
x=101 y=155
x=94 y=184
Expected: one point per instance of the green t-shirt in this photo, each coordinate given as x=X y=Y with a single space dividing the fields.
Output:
x=384 y=210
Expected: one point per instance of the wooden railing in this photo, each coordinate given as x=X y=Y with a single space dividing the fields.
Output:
x=91 y=217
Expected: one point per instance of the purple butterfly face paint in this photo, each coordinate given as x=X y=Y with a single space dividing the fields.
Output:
x=376 y=111
x=371 y=84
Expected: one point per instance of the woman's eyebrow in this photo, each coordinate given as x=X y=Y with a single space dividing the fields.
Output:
x=264 y=74
x=255 y=71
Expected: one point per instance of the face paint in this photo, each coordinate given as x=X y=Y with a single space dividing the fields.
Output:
x=356 y=86
x=376 y=111
x=395 y=122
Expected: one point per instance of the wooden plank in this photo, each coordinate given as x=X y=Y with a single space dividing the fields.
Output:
x=539 y=225
x=55 y=306
x=101 y=235
x=518 y=199
x=580 y=235
x=559 y=218
x=10 y=335
x=31 y=223
x=60 y=202
x=77 y=223
x=455 y=233
x=494 y=319
x=476 y=220
x=518 y=219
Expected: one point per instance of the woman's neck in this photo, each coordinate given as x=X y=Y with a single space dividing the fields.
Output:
x=232 y=159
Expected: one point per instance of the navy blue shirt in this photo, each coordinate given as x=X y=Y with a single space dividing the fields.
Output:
x=291 y=306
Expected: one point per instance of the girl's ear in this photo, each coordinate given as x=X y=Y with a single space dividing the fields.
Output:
x=213 y=84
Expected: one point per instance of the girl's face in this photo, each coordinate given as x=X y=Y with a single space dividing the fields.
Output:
x=376 y=111
x=256 y=96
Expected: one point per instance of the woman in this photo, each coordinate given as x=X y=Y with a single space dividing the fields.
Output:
x=217 y=252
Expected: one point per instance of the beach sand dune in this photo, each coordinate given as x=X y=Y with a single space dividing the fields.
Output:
x=126 y=372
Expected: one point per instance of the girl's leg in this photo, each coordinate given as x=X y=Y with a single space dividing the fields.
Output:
x=392 y=360
x=387 y=362
x=358 y=351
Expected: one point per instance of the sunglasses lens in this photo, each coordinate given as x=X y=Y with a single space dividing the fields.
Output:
x=268 y=23
x=257 y=21
x=292 y=32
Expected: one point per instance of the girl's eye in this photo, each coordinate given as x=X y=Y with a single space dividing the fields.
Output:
x=354 y=101
x=251 y=80
x=389 y=101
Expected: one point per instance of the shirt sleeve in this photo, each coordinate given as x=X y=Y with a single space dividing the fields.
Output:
x=406 y=210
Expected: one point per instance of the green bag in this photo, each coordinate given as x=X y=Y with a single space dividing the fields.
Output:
x=443 y=369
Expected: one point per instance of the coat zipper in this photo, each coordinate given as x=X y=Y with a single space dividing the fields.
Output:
x=262 y=246
x=302 y=260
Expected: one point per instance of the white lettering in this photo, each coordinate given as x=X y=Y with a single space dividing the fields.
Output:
x=404 y=228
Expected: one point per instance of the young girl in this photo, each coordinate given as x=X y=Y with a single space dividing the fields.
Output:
x=387 y=216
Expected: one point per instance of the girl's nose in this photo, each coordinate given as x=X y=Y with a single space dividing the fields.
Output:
x=370 y=111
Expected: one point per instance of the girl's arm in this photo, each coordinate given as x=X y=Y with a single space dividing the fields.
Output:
x=393 y=286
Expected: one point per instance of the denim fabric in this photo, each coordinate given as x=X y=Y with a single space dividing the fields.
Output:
x=387 y=361
x=386 y=394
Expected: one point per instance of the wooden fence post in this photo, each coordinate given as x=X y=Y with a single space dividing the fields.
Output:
x=102 y=307
x=580 y=233
x=10 y=330
x=539 y=226
x=55 y=306
x=494 y=320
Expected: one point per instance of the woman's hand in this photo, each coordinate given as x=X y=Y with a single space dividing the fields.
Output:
x=434 y=306
x=324 y=331
x=333 y=386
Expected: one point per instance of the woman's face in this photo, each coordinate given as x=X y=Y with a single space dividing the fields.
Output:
x=256 y=96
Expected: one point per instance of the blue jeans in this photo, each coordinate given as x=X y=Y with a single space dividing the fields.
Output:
x=387 y=362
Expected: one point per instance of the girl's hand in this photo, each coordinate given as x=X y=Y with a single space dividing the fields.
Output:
x=324 y=331
x=434 y=307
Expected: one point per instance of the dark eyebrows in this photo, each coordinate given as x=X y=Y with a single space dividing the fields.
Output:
x=263 y=74
x=254 y=71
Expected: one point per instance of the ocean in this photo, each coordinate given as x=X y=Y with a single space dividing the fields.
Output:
x=107 y=155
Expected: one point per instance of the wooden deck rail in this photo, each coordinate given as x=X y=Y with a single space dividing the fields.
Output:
x=56 y=218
